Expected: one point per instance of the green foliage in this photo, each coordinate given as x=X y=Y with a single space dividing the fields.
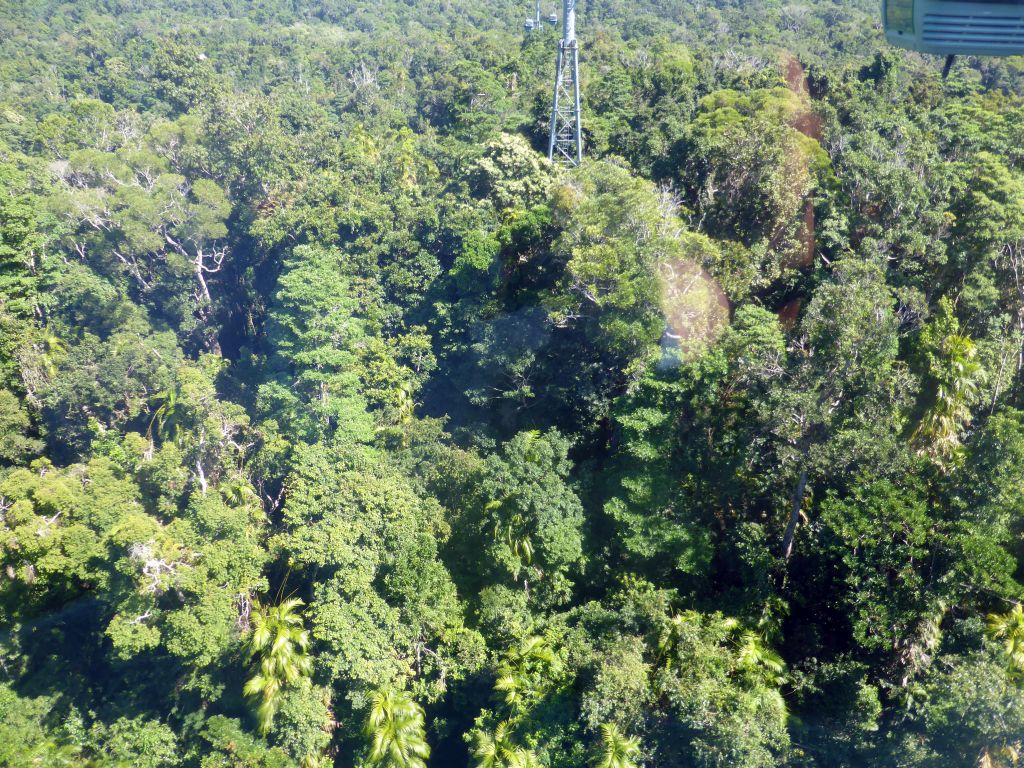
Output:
x=722 y=690
x=1009 y=627
x=511 y=174
x=705 y=453
x=534 y=516
x=146 y=743
x=313 y=332
x=226 y=744
x=496 y=750
x=974 y=713
x=279 y=644
x=882 y=535
x=22 y=728
x=953 y=374
x=23 y=243
x=613 y=234
x=617 y=749
x=382 y=597
x=16 y=441
x=303 y=723
x=748 y=171
x=395 y=729
x=527 y=673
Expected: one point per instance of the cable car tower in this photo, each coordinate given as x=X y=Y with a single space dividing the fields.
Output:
x=566 y=144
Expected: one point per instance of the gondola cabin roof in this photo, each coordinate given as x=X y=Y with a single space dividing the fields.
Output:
x=956 y=27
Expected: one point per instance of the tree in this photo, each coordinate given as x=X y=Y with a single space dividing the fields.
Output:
x=881 y=535
x=158 y=233
x=532 y=518
x=754 y=656
x=384 y=607
x=313 y=387
x=512 y=174
x=617 y=749
x=1009 y=627
x=746 y=170
x=845 y=379
x=498 y=750
x=730 y=713
x=281 y=643
x=493 y=749
x=395 y=728
x=23 y=243
x=684 y=442
x=974 y=712
x=614 y=231
x=527 y=672
x=953 y=374
x=16 y=440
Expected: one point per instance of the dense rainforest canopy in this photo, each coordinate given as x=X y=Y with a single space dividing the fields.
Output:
x=340 y=428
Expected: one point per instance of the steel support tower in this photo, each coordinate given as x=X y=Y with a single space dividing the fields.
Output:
x=566 y=143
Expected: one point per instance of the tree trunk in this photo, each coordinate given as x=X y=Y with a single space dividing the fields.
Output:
x=794 y=515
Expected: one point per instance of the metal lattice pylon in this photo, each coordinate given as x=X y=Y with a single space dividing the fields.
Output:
x=566 y=143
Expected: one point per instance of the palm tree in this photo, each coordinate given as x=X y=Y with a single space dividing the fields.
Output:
x=527 y=671
x=1009 y=627
x=497 y=750
x=52 y=349
x=405 y=405
x=617 y=749
x=955 y=372
x=754 y=656
x=682 y=624
x=280 y=641
x=395 y=728
x=514 y=533
x=512 y=530
x=237 y=492
x=1004 y=756
x=491 y=750
x=167 y=416
x=523 y=758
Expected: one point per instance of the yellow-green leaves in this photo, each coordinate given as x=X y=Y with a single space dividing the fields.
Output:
x=617 y=750
x=954 y=375
x=396 y=731
x=1008 y=628
x=279 y=644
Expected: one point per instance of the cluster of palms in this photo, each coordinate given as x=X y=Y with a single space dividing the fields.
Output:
x=526 y=675
x=395 y=725
x=498 y=749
